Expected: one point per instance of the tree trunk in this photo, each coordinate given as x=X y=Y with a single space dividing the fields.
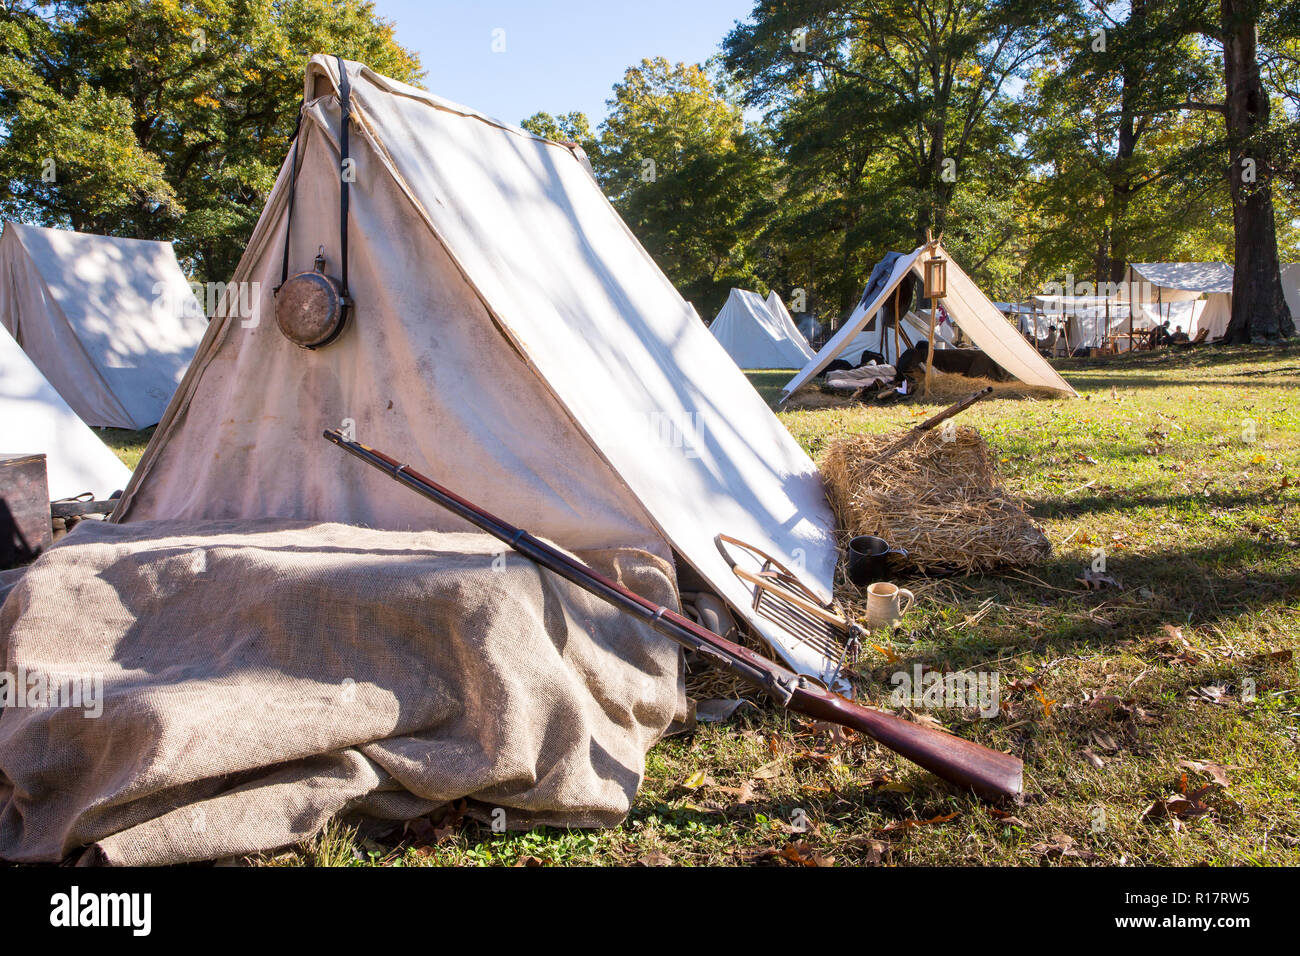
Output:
x=1259 y=309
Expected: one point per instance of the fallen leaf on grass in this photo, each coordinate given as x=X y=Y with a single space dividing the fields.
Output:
x=1217 y=772
x=1180 y=805
x=1096 y=580
x=1060 y=846
x=742 y=794
x=528 y=861
x=1172 y=635
x=873 y=850
x=1046 y=702
x=900 y=825
x=698 y=779
x=1093 y=759
x=1105 y=741
x=1216 y=694
x=891 y=656
x=803 y=854
x=1006 y=818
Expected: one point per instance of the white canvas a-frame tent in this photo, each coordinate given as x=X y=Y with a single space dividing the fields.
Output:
x=757 y=336
x=511 y=339
x=970 y=310
x=34 y=419
x=111 y=323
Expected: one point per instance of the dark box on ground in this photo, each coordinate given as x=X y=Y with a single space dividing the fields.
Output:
x=25 y=528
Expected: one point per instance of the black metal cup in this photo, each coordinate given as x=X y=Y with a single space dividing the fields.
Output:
x=869 y=559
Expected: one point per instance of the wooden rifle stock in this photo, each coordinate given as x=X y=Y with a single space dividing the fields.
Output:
x=989 y=773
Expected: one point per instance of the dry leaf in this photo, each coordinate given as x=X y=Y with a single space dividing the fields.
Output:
x=656 y=858
x=696 y=780
x=1093 y=759
x=899 y=825
x=803 y=854
x=1218 y=773
x=1062 y=845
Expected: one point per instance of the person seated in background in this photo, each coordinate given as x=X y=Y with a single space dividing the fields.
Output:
x=1048 y=347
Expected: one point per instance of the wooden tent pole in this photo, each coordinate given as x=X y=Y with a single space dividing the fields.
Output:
x=898 y=292
x=929 y=355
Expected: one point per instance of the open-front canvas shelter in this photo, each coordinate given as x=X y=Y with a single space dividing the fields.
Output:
x=510 y=338
x=111 y=323
x=970 y=311
x=1089 y=321
x=34 y=419
x=756 y=335
x=1173 y=291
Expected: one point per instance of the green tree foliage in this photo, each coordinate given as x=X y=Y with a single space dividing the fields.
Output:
x=678 y=162
x=165 y=119
x=1117 y=178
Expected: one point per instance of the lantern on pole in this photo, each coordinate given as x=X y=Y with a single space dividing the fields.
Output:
x=936 y=277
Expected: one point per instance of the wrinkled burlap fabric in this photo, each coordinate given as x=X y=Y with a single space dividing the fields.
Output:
x=260 y=678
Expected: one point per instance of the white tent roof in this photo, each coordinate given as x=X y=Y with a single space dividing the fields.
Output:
x=511 y=339
x=34 y=419
x=969 y=309
x=792 y=328
x=757 y=336
x=112 y=323
x=1195 y=277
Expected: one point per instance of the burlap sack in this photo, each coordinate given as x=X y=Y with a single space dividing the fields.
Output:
x=260 y=677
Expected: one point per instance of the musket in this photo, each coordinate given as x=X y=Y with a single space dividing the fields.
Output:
x=989 y=773
x=914 y=434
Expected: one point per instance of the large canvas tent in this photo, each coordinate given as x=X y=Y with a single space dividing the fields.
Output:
x=1172 y=291
x=511 y=339
x=111 y=323
x=756 y=335
x=968 y=308
x=34 y=419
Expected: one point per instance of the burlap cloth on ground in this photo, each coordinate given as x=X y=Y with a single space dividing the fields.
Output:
x=261 y=677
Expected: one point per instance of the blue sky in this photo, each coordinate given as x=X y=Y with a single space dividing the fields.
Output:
x=560 y=55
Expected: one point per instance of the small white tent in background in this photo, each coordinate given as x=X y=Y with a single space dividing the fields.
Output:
x=111 y=323
x=1291 y=288
x=757 y=337
x=968 y=308
x=1171 y=291
x=510 y=338
x=34 y=419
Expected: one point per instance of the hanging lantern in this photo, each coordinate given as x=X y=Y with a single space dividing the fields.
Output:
x=936 y=277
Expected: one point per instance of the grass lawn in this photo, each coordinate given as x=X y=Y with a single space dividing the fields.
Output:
x=1183 y=467
x=128 y=445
